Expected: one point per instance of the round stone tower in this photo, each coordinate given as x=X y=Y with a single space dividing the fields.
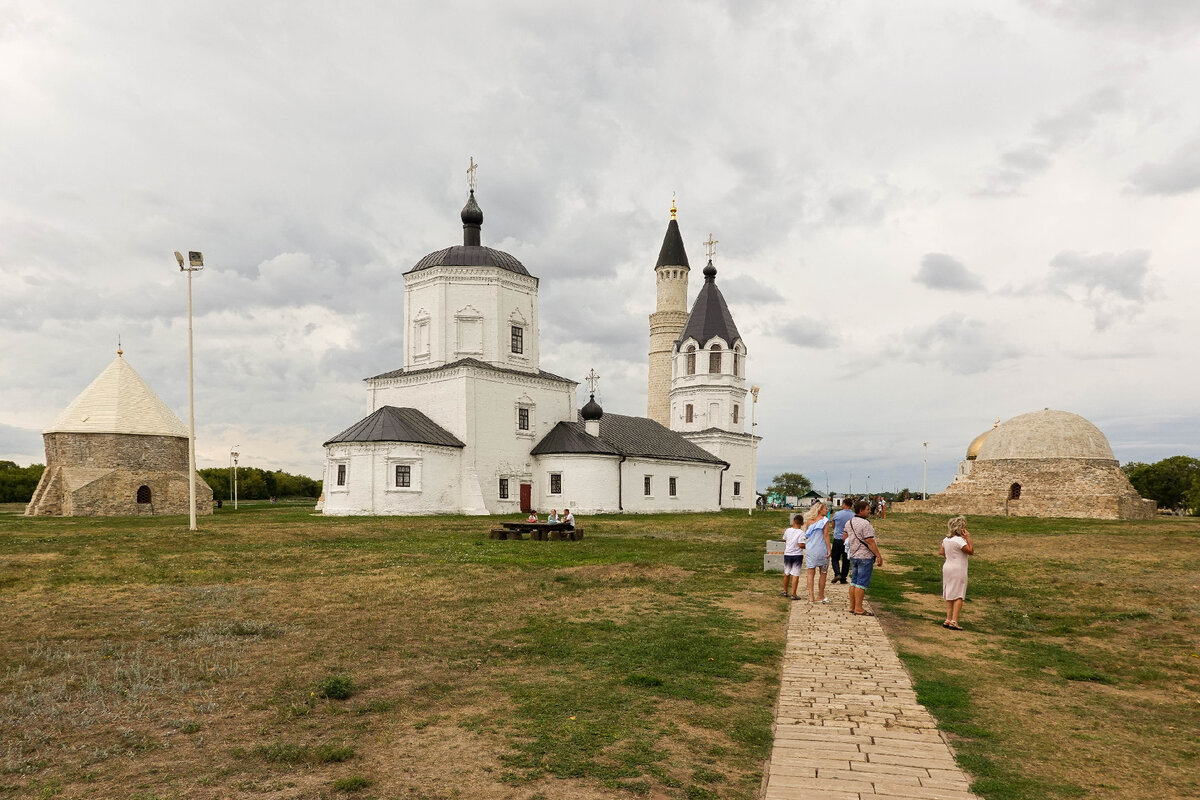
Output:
x=668 y=320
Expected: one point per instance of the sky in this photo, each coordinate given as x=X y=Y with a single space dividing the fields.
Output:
x=930 y=215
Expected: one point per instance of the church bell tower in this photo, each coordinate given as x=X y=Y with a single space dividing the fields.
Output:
x=668 y=320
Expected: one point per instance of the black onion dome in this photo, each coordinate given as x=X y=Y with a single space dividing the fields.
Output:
x=710 y=272
x=591 y=410
x=472 y=214
x=471 y=253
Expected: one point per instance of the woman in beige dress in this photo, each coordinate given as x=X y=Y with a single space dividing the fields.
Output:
x=955 y=549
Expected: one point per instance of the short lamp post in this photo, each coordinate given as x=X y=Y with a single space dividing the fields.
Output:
x=753 y=447
x=195 y=264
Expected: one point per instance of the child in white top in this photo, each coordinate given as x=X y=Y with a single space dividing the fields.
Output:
x=793 y=557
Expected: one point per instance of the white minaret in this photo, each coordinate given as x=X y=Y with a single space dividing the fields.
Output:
x=667 y=321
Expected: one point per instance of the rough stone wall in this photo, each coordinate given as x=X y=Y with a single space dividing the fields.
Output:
x=1050 y=487
x=665 y=327
x=98 y=474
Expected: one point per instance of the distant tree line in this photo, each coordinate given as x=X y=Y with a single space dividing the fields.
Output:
x=259 y=484
x=1173 y=483
x=17 y=483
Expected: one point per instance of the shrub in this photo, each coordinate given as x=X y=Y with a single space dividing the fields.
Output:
x=336 y=687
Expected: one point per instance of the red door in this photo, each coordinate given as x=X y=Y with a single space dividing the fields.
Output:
x=526 y=497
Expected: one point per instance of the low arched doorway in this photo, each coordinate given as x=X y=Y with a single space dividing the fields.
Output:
x=143 y=494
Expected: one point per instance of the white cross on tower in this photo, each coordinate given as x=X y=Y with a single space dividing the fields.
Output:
x=471 y=174
x=710 y=246
x=592 y=379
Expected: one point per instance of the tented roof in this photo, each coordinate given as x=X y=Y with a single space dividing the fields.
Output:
x=118 y=401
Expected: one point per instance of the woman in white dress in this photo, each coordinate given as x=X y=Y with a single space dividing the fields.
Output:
x=955 y=549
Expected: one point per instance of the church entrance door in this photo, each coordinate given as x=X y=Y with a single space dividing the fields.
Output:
x=526 y=497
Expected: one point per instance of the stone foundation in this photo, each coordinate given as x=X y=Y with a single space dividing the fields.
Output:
x=102 y=474
x=1090 y=488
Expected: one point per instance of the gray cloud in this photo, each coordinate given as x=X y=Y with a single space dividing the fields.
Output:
x=1178 y=174
x=808 y=332
x=1110 y=285
x=1047 y=138
x=941 y=271
x=1169 y=19
x=965 y=346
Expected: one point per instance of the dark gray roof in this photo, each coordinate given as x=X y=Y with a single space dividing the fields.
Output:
x=570 y=437
x=473 y=362
x=710 y=316
x=462 y=255
x=672 y=253
x=392 y=424
x=621 y=435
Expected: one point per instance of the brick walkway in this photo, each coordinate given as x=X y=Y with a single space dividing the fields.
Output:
x=848 y=725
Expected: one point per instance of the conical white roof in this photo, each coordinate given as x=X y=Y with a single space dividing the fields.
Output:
x=118 y=401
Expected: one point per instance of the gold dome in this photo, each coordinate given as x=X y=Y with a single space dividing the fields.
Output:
x=976 y=443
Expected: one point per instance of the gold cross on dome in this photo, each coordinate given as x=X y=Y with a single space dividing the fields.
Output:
x=471 y=174
x=592 y=379
x=710 y=246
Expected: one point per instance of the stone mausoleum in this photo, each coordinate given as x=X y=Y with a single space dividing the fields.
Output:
x=116 y=450
x=1042 y=464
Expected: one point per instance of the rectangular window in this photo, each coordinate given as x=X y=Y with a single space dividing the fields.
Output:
x=523 y=419
x=403 y=476
x=555 y=483
x=737 y=488
x=687 y=413
x=671 y=487
x=504 y=488
x=714 y=361
x=735 y=362
x=341 y=475
x=735 y=413
x=646 y=485
x=518 y=339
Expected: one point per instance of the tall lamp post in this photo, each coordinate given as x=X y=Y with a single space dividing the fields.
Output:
x=233 y=454
x=925 y=471
x=195 y=264
x=753 y=447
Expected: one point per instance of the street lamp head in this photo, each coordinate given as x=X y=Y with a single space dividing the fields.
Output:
x=195 y=258
x=754 y=391
x=179 y=258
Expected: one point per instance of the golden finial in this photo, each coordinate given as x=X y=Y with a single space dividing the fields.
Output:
x=120 y=352
x=672 y=205
x=997 y=425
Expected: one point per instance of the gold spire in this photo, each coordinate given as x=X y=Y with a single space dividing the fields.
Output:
x=120 y=352
x=672 y=205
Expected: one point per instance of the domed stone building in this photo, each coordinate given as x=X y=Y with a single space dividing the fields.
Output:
x=116 y=450
x=1042 y=464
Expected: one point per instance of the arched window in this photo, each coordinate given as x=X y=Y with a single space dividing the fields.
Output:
x=143 y=494
x=736 y=363
x=691 y=359
x=714 y=359
x=1014 y=492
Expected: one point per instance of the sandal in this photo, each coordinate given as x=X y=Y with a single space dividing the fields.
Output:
x=864 y=613
x=954 y=626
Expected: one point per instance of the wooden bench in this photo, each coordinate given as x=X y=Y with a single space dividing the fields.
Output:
x=538 y=531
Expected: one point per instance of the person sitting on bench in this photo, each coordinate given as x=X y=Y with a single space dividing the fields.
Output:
x=532 y=517
x=568 y=519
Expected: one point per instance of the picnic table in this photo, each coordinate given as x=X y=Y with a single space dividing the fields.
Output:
x=536 y=530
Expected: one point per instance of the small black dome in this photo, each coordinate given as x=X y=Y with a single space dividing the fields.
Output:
x=591 y=410
x=472 y=214
x=710 y=272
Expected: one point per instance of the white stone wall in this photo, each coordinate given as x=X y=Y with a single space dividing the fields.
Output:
x=696 y=486
x=589 y=483
x=370 y=479
x=739 y=451
x=481 y=407
x=712 y=395
x=467 y=312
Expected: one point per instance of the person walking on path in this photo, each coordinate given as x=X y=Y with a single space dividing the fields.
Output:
x=816 y=549
x=955 y=549
x=793 y=557
x=841 y=561
x=864 y=556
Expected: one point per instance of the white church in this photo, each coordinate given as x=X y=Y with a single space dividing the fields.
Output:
x=471 y=424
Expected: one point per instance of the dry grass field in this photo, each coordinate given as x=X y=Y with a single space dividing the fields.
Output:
x=278 y=653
